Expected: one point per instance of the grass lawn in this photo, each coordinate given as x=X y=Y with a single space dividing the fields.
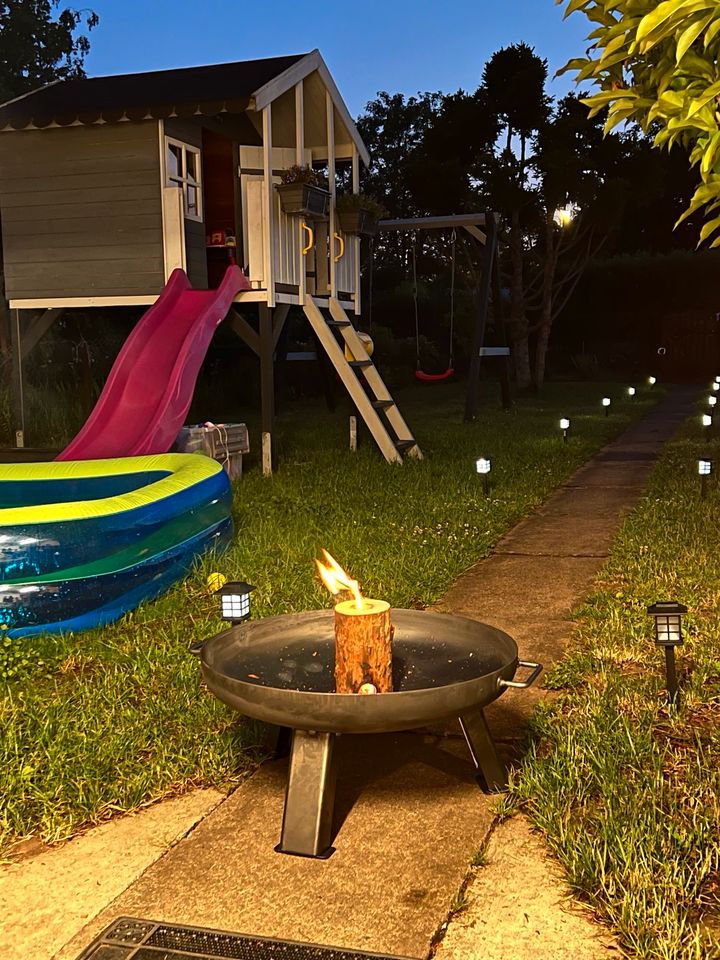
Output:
x=626 y=790
x=115 y=718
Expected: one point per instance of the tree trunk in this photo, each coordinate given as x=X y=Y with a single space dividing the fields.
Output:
x=546 y=302
x=518 y=324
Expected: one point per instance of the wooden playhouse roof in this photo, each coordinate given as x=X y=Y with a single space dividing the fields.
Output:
x=185 y=92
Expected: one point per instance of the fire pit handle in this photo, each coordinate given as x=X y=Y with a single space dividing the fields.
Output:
x=529 y=681
x=195 y=648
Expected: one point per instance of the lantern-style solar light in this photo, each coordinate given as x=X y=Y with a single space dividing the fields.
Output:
x=717 y=379
x=707 y=420
x=483 y=467
x=606 y=403
x=712 y=400
x=716 y=385
x=235 y=600
x=564 y=426
x=705 y=468
x=652 y=381
x=631 y=391
x=668 y=633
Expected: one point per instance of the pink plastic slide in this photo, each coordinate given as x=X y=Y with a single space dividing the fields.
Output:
x=149 y=389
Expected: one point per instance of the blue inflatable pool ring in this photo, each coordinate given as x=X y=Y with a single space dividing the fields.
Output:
x=83 y=542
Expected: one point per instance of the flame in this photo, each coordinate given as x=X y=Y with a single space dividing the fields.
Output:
x=336 y=579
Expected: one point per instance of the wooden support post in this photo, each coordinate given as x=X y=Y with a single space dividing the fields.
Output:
x=332 y=227
x=267 y=387
x=353 y=433
x=268 y=206
x=18 y=394
x=471 y=398
x=357 y=279
x=363 y=647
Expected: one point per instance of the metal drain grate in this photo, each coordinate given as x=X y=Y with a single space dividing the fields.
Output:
x=130 y=939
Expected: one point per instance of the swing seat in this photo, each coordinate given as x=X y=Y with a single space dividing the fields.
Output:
x=434 y=377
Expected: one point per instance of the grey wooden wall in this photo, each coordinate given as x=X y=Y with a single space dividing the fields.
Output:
x=81 y=211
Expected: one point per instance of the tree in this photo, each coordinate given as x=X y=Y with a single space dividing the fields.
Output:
x=393 y=129
x=514 y=80
x=657 y=65
x=36 y=49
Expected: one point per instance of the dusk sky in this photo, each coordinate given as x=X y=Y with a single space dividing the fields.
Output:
x=396 y=45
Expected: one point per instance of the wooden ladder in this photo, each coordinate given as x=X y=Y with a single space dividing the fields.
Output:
x=379 y=411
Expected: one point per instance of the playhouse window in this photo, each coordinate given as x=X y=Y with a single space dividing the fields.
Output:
x=182 y=170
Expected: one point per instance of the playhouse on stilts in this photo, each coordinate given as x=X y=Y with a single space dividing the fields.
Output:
x=109 y=184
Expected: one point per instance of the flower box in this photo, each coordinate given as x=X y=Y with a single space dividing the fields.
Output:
x=304 y=200
x=360 y=222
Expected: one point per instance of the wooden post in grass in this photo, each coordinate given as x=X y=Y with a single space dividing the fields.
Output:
x=363 y=647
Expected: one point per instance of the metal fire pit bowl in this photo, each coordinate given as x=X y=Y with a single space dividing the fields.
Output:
x=281 y=670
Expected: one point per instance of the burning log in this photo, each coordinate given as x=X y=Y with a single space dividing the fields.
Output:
x=363 y=635
x=363 y=647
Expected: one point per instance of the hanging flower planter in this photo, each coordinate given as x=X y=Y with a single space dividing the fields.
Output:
x=302 y=193
x=358 y=214
x=359 y=222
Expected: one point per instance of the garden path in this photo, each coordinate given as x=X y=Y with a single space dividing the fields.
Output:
x=412 y=816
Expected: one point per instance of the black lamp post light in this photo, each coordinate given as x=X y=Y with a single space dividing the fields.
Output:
x=483 y=466
x=707 y=421
x=715 y=385
x=631 y=391
x=564 y=426
x=668 y=634
x=705 y=469
x=652 y=381
x=235 y=601
x=712 y=401
x=606 y=401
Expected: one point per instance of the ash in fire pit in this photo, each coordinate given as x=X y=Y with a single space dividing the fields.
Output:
x=417 y=664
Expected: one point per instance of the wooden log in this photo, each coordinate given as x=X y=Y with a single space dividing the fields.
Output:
x=363 y=646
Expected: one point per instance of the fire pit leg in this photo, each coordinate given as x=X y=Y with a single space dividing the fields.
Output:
x=310 y=796
x=489 y=768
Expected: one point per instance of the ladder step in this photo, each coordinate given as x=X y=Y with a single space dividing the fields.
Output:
x=402 y=445
x=383 y=404
x=361 y=363
x=338 y=323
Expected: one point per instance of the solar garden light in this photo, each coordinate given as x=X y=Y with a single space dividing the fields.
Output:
x=564 y=426
x=631 y=391
x=235 y=601
x=483 y=467
x=716 y=385
x=606 y=403
x=705 y=468
x=652 y=381
x=668 y=634
x=717 y=379
x=712 y=400
x=707 y=421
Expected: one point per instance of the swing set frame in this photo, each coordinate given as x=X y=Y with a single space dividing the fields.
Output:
x=483 y=228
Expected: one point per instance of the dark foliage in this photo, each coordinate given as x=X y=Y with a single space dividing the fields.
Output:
x=38 y=46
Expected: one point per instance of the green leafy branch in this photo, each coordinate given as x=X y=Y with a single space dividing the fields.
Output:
x=656 y=65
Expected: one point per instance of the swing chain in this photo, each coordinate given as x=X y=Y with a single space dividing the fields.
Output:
x=415 y=301
x=453 y=239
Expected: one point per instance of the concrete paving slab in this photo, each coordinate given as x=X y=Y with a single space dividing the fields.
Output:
x=521 y=585
x=410 y=818
x=68 y=884
x=518 y=908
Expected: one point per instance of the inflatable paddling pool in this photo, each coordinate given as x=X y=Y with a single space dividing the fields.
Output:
x=83 y=542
